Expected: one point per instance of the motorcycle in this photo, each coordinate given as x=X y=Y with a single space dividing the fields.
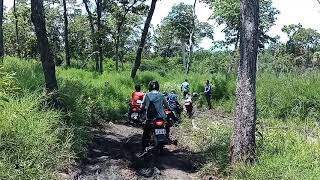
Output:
x=135 y=115
x=157 y=134
x=172 y=116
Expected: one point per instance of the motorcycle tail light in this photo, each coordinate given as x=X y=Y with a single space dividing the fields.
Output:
x=159 y=123
x=134 y=109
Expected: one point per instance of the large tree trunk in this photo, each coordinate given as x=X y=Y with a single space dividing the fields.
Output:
x=66 y=33
x=99 y=11
x=16 y=27
x=243 y=145
x=1 y=32
x=137 y=61
x=94 y=44
x=47 y=60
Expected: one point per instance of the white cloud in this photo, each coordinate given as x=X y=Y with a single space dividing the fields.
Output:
x=8 y=3
x=306 y=12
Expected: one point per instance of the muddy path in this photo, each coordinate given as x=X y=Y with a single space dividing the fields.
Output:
x=114 y=154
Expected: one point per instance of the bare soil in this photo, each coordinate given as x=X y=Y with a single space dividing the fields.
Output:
x=114 y=154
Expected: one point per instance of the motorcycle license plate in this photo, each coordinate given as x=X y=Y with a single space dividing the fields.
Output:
x=134 y=115
x=160 y=131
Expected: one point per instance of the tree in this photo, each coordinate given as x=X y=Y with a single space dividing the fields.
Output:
x=47 y=58
x=122 y=11
x=66 y=34
x=16 y=27
x=243 y=144
x=302 y=41
x=227 y=12
x=93 y=38
x=99 y=41
x=1 y=32
x=80 y=38
x=137 y=61
x=181 y=31
x=27 y=39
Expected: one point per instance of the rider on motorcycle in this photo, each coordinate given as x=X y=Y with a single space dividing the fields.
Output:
x=174 y=103
x=136 y=98
x=159 y=103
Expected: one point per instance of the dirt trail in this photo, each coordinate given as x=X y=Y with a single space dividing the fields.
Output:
x=114 y=155
x=115 y=149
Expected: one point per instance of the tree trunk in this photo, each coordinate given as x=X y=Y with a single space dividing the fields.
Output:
x=189 y=53
x=16 y=27
x=243 y=145
x=1 y=32
x=183 y=49
x=191 y=39
x=66 y=33
x=99 y=11
x=94 y=44
x=119 y=28
x=47 y=58
x=137 y=61
x=117 y=51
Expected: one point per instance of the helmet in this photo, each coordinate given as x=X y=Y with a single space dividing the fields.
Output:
x=154 y=85
x=137 y=87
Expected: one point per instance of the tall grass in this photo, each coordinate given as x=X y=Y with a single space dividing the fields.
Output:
x=289 y=96
x=88 y=97
x=289 y=150
x=282 y=97
x=34 y=143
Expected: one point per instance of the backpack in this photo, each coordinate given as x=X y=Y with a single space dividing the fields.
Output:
x=151 y=111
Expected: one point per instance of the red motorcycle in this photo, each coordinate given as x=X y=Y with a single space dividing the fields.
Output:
x=135 y=115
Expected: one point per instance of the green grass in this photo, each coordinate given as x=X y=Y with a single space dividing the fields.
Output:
x=285 y=97
x=34 y=143
x=86 y=96
x=37 y=141
x=211 y=141
x=289 y=150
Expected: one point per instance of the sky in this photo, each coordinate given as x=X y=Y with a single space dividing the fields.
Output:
x=306 y=12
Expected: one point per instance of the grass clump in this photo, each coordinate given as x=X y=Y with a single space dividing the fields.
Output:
x=34 y=143
x=210 y=140
x=289 y=150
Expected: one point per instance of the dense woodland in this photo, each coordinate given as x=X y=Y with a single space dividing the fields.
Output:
x=68 y=65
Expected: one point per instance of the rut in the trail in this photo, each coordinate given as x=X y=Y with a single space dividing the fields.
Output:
x=114 y=151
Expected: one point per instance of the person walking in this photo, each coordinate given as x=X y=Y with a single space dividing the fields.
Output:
x=207 y=93
x=185 y=86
